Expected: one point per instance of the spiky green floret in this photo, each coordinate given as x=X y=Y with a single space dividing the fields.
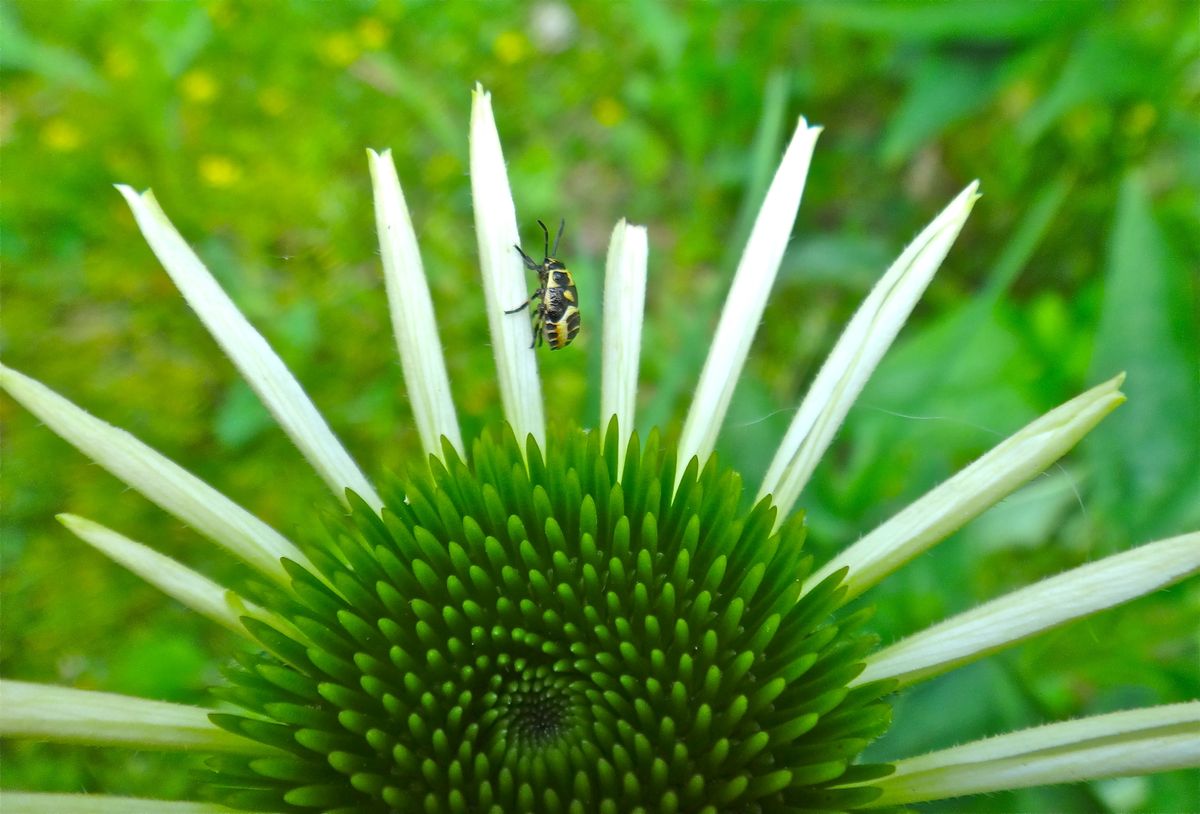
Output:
x=529 y=633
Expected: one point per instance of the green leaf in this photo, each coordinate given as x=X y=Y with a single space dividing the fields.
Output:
x=995 y=20
x=157 y=664
x=54 y=64
x=240 y=417
x=1145 y=456
x=418 y=96
x=179 y=31
x=847 y=260
x=661 y=28
x=942 y=92
x=762 y=158
x=1101 y=68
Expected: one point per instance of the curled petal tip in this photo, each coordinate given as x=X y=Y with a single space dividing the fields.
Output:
x=127 y=192
x=970 y=194
x=67 y=519
x=814 y=129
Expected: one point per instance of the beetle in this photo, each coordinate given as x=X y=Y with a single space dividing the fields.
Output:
x=556 y=302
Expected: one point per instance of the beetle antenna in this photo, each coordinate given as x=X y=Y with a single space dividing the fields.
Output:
x=529 y=262
x=562 y=224
x=546 y=232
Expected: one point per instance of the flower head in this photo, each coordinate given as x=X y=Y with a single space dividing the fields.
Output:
x=545 y=618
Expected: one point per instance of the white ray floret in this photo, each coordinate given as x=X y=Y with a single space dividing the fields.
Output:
x=747 y=299
x=1142 y=741
x=170 y=576
x=67 y=715
x=504 y=283
x=1035 y=609
x=162 y=481
x=853 y=359
x=16 y=802
x=621 y=344
x=412 y=311
x=973 y=490
x=262 y=369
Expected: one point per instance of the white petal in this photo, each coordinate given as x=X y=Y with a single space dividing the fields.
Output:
x=67 y=715
x=260 y=367
x=179 y=492
x=853 y=359
x=747 y=298
x=412 y=311
x=1140 y=741
x=170 y=576
x=973 y=490
x=621 y=345
x=20 y=802
x=504 y=281
x=1031 y=610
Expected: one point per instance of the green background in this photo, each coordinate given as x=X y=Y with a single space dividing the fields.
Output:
x=250 y=123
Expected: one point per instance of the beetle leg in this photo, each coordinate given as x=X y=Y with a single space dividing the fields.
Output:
x=532 y=299
x=537 y=329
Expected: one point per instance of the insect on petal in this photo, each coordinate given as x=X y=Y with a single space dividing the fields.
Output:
x=503 y=272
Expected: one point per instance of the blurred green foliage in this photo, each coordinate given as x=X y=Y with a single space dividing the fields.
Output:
x=250 y=120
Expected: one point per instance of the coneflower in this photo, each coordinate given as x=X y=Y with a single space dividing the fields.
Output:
x=555 y=619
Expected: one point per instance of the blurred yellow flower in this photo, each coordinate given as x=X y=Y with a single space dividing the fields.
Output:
x=8 y=118
x=119 y=62
x=339 y=49
x=219 y=171
x=61 y=135
x=372 y=33
x=1086 y=125
x=511 y=47
x=1017 y=98
x=1140 y=119
x=608 y=111
x=198 y=86
x=222 y=13
x=273 y=100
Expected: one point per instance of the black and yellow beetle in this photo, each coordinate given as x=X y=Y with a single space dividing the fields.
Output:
x=556 y=302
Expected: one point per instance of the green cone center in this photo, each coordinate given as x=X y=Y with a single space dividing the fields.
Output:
x=558 y=631
x=536 y=706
